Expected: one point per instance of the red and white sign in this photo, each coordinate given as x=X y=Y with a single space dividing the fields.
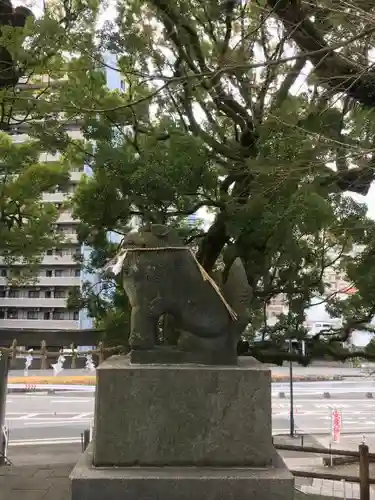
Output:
x=336 y=426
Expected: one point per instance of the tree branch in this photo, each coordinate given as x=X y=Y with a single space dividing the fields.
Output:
x=336 y=71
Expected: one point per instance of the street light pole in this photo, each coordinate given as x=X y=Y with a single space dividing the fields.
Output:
x=291 y=391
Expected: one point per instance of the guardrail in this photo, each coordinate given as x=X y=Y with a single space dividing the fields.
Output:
x=362 y=454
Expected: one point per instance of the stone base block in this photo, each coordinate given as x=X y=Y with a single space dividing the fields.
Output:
x=180 y=483
x=182 y=415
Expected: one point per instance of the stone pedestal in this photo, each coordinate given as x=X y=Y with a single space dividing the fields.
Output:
x=182 y=432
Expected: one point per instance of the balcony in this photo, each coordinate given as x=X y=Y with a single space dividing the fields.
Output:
x=55 y=197
x=42 y=324
x=32 y=303
x=63 y=281
x=50 y=260
x=66 y=217
x=76 y=176
x=56 y=260
x=69 y=238
x=49 y=157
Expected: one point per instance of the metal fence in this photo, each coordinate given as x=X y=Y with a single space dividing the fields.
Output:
x=362 y=455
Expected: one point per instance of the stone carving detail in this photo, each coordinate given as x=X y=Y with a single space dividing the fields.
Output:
x=161 y=276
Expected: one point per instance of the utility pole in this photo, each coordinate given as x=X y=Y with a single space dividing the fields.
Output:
x=291 y=396
x=4 y=362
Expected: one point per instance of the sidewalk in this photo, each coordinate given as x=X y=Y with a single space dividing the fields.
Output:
x=23 y=481
x=314 y=463
x=52 y=483
x=35 y=483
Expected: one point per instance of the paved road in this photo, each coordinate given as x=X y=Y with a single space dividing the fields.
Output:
x=298 y=371
x=61 y=418
x=348 y=387
x=314 y=416
x=52 y=419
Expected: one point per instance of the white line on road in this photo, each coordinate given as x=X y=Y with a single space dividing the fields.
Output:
x=82 y=416
x=70 y=401
x=56 y=423
x=333 y=401
x=324 y=430
x=44 y=441
x=42 y=414
x=328 y=411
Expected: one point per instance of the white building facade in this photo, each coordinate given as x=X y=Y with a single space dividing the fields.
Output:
x=42 y=304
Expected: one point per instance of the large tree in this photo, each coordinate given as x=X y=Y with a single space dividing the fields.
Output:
x=251 y=110
x=32 y=63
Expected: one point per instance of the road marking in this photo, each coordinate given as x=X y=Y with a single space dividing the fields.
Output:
x=29 y=415
x=69 y=401
x=44 y=441
x=45 y=413
x=82 y=415
x=16 y=413
x=323 y=430
x=54 y=422
x=318 y=401
x=63 y=393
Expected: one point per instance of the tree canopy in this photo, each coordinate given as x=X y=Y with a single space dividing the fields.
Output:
x=31 y=57
x=260 y=113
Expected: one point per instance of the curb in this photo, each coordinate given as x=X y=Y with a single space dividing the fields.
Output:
x=312 y=378
x=31 y=382
x=51 y=389
x=51 y=385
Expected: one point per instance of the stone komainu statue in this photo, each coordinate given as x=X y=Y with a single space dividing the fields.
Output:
x=16 y=18
x=161 y=276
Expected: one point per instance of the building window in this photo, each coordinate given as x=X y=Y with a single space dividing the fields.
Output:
x=47 y=294
x=59 y=294
x=34 y=294
x=58 y=273
x=57 y=315
x=76 y=315
x=77 y=273
x=59 y=253
x=49 y=251
x=2 y=314
x=12 y=314
x=32 y=314
x=49 y=273
x=3 y=272
x=47 y=315
x=13 y=293
x=2 y=293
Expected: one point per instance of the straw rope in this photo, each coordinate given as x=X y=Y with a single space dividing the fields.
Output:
x=204 y=274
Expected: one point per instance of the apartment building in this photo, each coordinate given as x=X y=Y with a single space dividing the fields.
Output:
x=317 y=318
x=42 y=304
